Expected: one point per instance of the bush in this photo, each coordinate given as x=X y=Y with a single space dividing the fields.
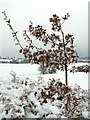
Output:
x=45 y=70
x=52 y=70
x=42 y=69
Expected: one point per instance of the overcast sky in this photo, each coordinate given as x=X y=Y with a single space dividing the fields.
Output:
x=39 y=11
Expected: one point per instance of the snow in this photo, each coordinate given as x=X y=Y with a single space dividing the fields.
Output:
x=32 y=71
x=18 y=84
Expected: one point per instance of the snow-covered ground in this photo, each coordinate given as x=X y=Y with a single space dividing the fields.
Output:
x=20 y=82
x=32 y=72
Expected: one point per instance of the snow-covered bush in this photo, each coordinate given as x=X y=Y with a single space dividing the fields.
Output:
x=45 y=70
x=83 y=68
x=41 y=99
x=14 y=76
x=72 y=99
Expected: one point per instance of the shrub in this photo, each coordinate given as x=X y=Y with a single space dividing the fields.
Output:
x=44 y=70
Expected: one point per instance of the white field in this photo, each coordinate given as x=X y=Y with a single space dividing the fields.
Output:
x=31 y=71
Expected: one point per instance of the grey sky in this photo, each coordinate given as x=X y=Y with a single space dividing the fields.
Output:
x=39 y=11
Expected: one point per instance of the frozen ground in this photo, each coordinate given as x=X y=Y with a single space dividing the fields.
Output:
x=32 y=72
x=20 y=87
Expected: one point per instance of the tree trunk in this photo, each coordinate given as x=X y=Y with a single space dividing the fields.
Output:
x=66 y=77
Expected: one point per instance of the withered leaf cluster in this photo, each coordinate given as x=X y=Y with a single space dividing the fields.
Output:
x=56 y=22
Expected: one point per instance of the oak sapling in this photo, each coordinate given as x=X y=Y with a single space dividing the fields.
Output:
x=62 y=50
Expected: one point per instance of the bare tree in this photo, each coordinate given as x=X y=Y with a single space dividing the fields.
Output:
x=62 y=50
